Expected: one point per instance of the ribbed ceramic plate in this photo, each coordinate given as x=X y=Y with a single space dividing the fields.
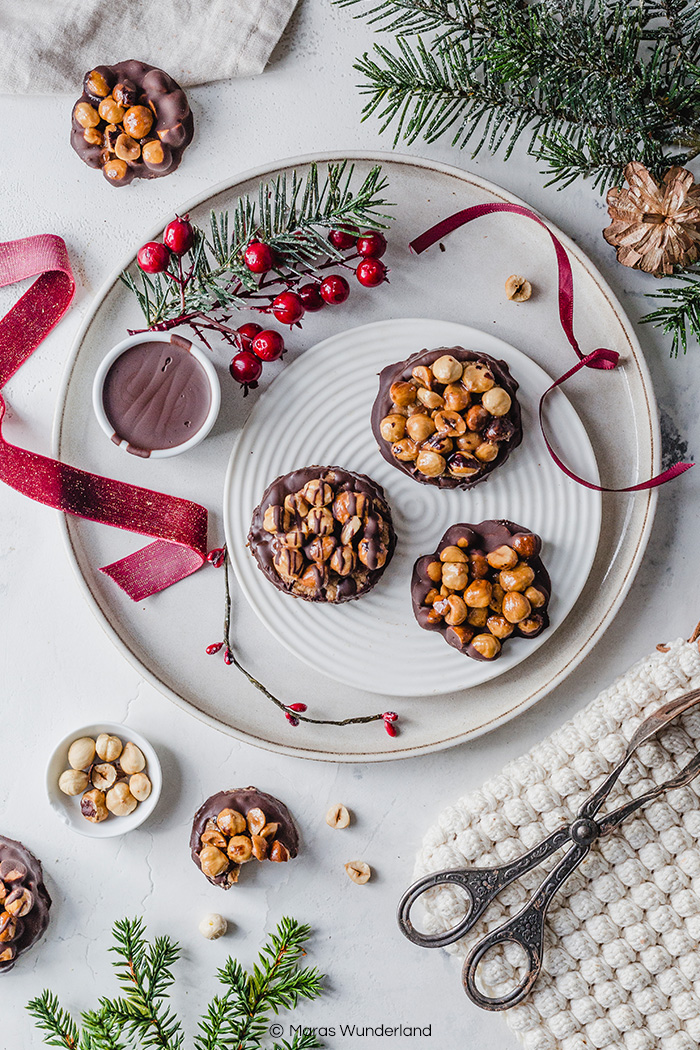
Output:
x=375 y=643
x=165 y=636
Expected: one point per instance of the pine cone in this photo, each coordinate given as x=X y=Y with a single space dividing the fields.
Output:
x=655 y=227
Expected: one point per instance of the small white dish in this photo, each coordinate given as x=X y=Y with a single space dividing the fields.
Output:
x=197 y=352
x=67 y=807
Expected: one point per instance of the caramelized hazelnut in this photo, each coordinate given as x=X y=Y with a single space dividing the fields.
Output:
x=447 y=369
x=321 y=548
x=393 y=427
x=279 y=852
x=431 y=597
x=92 y=136
x=138 y=121
x=260 y=846
x=404 y=450
x=317 y=493
x=430 y=398
x=450 y=423
x=497 y=401
x=110 y=111
x=500 y=429
x=272 y=519
x=8 y=927
x=351 y=527
x=127 y=148
x=153 y=153
x=517 y=579
x=402 y=394
x=240 y=849
x=478 y=617
x=212 y=861
x=419 y=428
x=211 y=836
x=432 y=464
x=455 y=575
x=531 y=625
x=19 y=902
x=434 y=616
x=456 y=397
x=115 y=170
x=295 y=538
x=348 y=504
x=478 y=594
x=477 y=417
x=468 y=442
x=453 y=553
x=456 y=611
x=343 y=560
x=435 y=571
x=96 y=85
x=487 y=646
x=499 y=626
x=111 y=134
x=8 y=953
x=270 y=830
x=256 y=820
x=125 y=93
x=497 y=596
x=295 y=503
x=504 y=557
x=486 y=452
x=527 y=544
x=477 y=378
x=478 y=565
x=423 y=377
x=516 y=607
x=372 y=554
x=535 y=597
x=462 y=465
x=231 y=822
x=459 y=636
x=86 y=115
x=320 y=521
x=439 y=443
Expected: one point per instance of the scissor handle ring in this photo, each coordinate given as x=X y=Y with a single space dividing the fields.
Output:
x=429 y=882
x=512 y=998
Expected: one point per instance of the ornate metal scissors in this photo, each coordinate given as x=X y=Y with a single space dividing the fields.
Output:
x=526 y=928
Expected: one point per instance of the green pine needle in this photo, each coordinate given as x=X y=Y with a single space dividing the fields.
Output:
x=680 y=316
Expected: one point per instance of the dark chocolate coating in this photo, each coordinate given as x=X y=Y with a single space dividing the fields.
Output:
x=32 y=926
x=173 y=122
x=262 y=543
x=243 y=800
x=483 y=538
x=402 y=371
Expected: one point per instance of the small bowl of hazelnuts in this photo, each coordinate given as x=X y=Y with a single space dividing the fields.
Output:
x=104 y=780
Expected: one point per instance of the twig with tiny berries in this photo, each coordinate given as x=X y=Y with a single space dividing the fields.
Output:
x=294 y=713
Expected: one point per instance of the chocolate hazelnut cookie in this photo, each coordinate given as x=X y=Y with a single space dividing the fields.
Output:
x=447 y=417
x=323 y=534
x=484 y=584
x=233 y=827
x=24 y=901
x=132 y=121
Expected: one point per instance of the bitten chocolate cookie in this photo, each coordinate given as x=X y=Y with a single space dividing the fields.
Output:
x=24 y=901
x=447 y=417
x=133 y=121
x=323 y=534
x=484 y=584
x=233 y=827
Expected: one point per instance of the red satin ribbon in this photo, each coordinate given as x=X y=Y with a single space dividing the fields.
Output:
x=179 y=525
x=600 y=358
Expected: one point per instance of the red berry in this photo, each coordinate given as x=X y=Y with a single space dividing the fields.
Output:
x=371 y=273
x=268 y=345
x=217 y=557
x=391 y=730
x=297 y=707
x=247 y=333
x=390 y=716
x=228 y=657
x=371 y=243
x=259 y=257
x=211 y=649
x=246 y=368
x=288 y=308
x=179 y=235
x=342 y=240
x=334 y=289
x=291 y=719
x=311 y=297
x=154 y=257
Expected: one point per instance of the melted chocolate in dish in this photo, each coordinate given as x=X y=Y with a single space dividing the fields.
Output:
x=484 y=584
x=24 y=901
x=240 y=825
x=323 y=534
x=132 y=121
x=156 y=395
x=447 y=417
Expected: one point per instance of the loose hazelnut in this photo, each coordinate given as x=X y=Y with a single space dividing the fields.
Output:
x=404 y=450
x=456 y=397
x=499 y=626
x=103 y=775
x=73 y=781
x=497 y=401
x=19 y=903
x=453 y=553
x=96 y=85
x=518 y=289
x=476 y=418
x=531 y=624
x=231 y=822
x=213 y=926
x=477 y=378
x=279 y=852
x=343 y=560
x=319 y=520
x=455 y=575
x=86 y=115
x=140 y=786
x=423 y=377
x=110 y=111
x=125 y=93
x=240 y=849
x=447 y=369
x=127 y=148
x=256 y=820
x=120 y=801
x=469 y=442
x=517 y=579
x=115 y=170
x=449 y=423
x=435 y=571
x=212 y=861
x=488 y=646
x=456 y=612
x=432 y=464
x=317 y=493
x=487 y=451
x=260 y=846
x=92 y=136
x=526 y=544
x=402 y=394
x=138 y=121
x=430 y=398
x=516 y=607
x=289 y=563
x=92 y=806
x=338 y=816
x=463 y=465
x=478 y=617
x=108 y=747
x=358 y=871
x=81 y=752
x=535 y=597
x=270 y=830
x=153 y=153
x=419 y=428
x=478 y=594
x=132 y=760
x=211 y=836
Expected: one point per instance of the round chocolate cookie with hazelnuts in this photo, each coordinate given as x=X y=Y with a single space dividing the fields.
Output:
x=133 y=121
x=447 y=417
x=24 y=901
x=484 y=584
x=323 y=534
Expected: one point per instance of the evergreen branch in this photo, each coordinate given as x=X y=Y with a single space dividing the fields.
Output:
x=306 y=1039
x=51 y=1018
x=680 y=317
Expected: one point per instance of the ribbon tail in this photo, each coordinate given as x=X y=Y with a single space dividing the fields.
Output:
x=153 y=568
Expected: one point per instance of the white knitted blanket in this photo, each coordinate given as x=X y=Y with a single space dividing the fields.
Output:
x=622 y=962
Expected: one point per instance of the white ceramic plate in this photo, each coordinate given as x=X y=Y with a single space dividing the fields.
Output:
x=375 y=643
x=166 y=635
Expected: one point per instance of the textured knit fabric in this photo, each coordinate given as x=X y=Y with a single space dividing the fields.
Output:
x=53 y=43
x=622 y=956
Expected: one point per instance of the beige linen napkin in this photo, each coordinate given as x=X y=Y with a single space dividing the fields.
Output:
x=50 y=44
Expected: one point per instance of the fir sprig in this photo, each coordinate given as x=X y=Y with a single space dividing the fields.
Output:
x=679 y=317
x=593 y=84
x=236 y=1020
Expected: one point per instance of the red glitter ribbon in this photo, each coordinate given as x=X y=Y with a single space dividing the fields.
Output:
x=600 y=358
x=179 y=525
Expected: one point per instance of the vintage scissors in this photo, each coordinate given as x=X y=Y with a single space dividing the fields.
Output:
x=526 y=928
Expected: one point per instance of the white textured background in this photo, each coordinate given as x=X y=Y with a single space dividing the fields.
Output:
x=58 y=670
